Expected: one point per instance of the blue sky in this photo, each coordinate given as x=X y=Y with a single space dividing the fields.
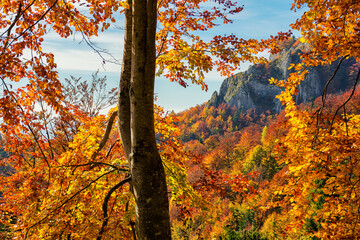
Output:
x=259 y=19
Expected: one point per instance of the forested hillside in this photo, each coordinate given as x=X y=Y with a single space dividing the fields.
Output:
x=300 y=185
x=253 y=146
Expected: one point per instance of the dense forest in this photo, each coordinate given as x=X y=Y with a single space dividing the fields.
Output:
x=82 y=161
x=252 y=145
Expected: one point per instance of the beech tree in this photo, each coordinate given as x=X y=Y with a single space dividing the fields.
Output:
x=137 y=122
x=160 y=38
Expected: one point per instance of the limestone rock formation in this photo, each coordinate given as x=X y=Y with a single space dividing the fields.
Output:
x=251 y=89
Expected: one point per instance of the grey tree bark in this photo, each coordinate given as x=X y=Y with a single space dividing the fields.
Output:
x=136 y=122
x=125 y=78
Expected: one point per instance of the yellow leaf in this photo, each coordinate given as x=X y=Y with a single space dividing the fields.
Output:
x=353 y=195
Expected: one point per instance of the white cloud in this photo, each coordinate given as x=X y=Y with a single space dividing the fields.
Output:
x=83 y=60
x=74 y=54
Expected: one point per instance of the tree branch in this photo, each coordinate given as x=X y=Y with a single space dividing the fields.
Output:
x=105 y=205
x=95 y=164
x=111 y=147
x=323 y=98
x=66 y=201
x=30 y=27
x=347 y=100
x=31 y=130
x=106 y=135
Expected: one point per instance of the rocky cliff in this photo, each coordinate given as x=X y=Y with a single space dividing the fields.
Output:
x=251 y=89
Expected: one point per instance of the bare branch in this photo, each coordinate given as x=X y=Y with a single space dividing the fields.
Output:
x=106 y=134
x=91 y=44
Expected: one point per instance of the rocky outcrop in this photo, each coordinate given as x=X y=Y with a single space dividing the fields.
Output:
x=251 y=89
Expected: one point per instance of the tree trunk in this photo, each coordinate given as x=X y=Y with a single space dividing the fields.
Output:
x=124 y=87
x=147 y=172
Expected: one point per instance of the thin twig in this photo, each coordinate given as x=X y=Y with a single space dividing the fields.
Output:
x=323 y=98
x=347 y=100
x=30 y=27
x=89 y=43
x=18 y=15
x=164 y=38
x=95 y=163
x=346 y=122
x=43 y=115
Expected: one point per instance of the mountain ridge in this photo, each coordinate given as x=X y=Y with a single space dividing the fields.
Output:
x=251 y=89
